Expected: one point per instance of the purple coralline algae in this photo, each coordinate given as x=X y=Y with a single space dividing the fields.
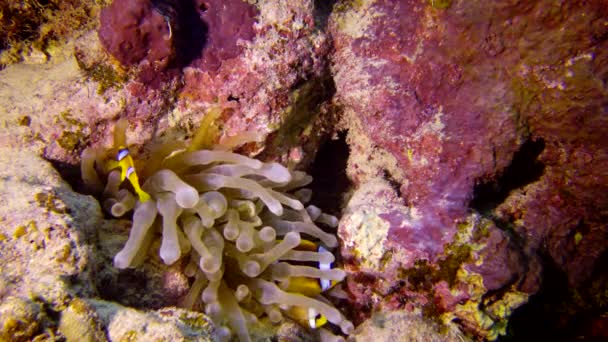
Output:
x=264 y=65
x=440 y=98
x=135 y=32
x=476 y=136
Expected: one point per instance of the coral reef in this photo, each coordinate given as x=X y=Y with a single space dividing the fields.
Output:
x=126 y=324
x=33 y=31
x=273 y=76
x=44 y=229
x=137 y=31
x=79 y=322
x=265 y=64
x=44 y=250
x=386 y=274
x=19 y=319
x=237 y=221
x=405 y=326
x=272 y=79
x=473 y=133
x=230 y=24
x=471 y=107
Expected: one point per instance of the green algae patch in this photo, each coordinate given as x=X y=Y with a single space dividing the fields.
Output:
x=491 y=318
x=22 y=230
x=301 y=114
x=34 y=30
x=354 y=17
x=503 y=308
x=448 y=267
x=300 y=123
x=420 y=277
x=195 y=320
x=73 y=136
x=67 y=117
x=24 y=121
x=64 y=253
x=19 y=232
x=129 y=336
x=423 y=275
x=487 y=316
x=19 y=319
x=69 y=140
x=102 y=73
x=50 y=202
x=440 y=4
x=79 y=322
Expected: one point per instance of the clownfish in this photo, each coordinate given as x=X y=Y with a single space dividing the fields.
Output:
x=310 y=287
x=127 y=171
x=306 y=316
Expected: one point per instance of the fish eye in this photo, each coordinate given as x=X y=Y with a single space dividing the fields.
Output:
x=122 y=153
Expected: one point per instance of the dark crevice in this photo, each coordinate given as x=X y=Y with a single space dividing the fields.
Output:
x=396 y=185
x=524 y=169
x=308 y=101
x=322 y=10
x=70 y=173
x=329 y=175
x=559 y=312
x=190 y=30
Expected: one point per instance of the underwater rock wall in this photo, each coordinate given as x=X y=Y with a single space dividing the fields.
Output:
x=135 y=32
x=441 y=98
x=265 y=65
x=476 y=133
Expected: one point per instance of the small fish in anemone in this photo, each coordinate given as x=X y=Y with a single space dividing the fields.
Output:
x=253 y=247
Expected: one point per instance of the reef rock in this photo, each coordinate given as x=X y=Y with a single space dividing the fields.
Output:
x=48 y=257
x=135 y=32
x=265 y=65
x=387 y=274
x=444 y=99
x=55 y=109
x=404 y=326
x=19 y=319
x=268 y=68
x=168 y=324
x=44 y=243
x=45 y=230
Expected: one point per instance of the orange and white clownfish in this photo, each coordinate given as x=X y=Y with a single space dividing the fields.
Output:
x=307 y=316
x=310 y=287
x=127 y=171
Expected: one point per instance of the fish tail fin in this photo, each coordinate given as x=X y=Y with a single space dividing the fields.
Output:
x=143 y=196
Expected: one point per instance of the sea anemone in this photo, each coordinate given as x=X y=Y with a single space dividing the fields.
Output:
x=253 y=248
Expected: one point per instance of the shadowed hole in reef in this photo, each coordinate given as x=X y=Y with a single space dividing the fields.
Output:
x=329 y=185
x=393 y=182
x=321 y=12
x=192 y=37
x=184 y=19
x=329 y=175
x=559 y=312
x=70 y=173
x=524 y=169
